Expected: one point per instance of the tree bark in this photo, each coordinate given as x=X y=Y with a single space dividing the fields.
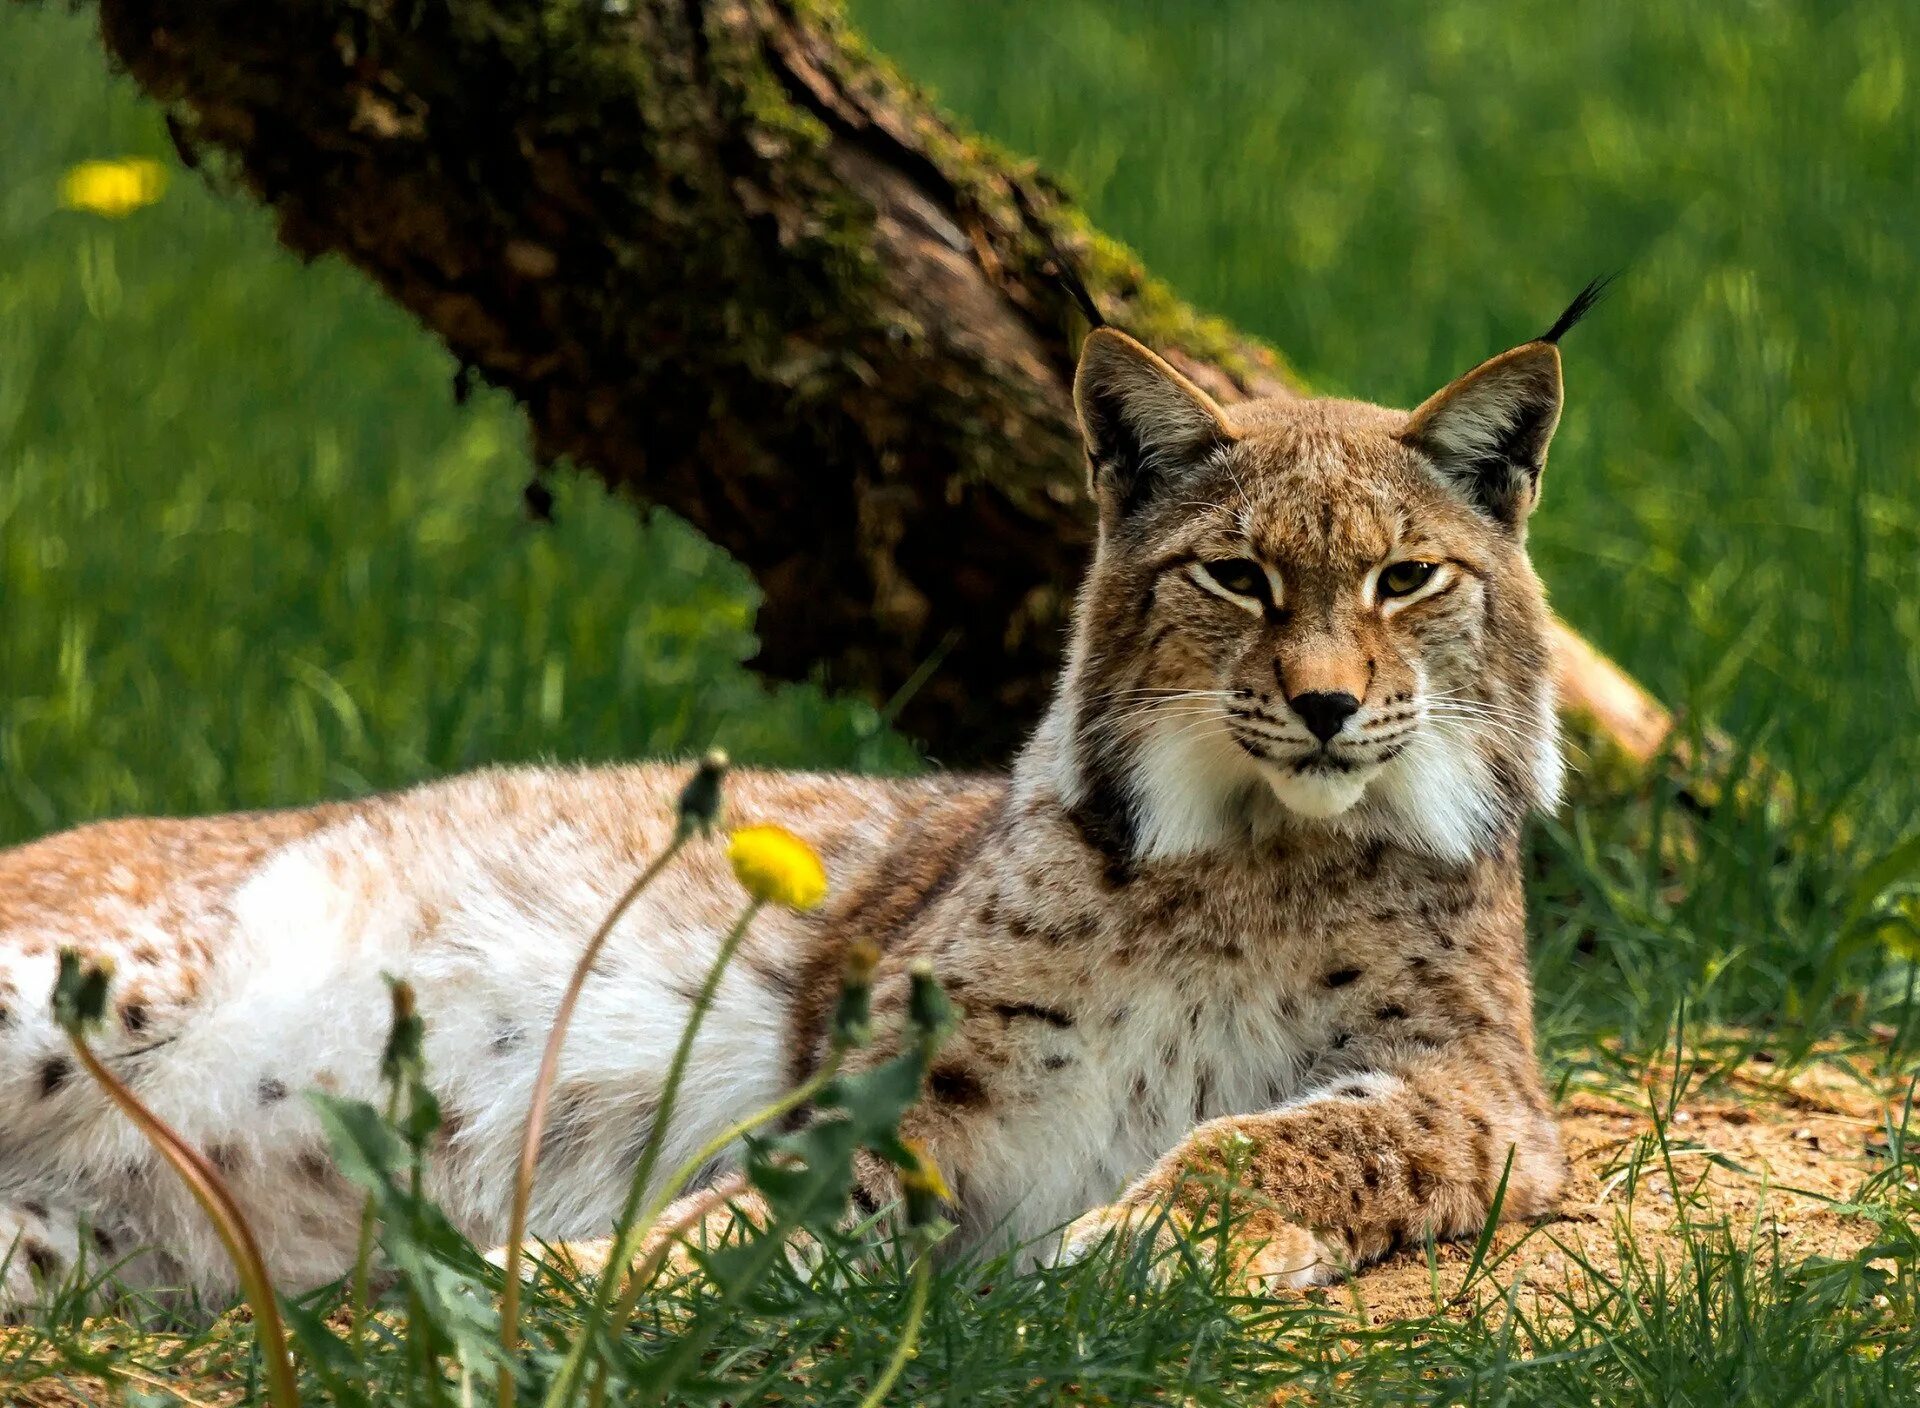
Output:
x=728 y=261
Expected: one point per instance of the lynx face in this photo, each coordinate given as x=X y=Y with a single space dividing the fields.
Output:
x=1317 y=612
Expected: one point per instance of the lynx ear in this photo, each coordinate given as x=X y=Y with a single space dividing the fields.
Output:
x=1487 y=433
x=1143 y=421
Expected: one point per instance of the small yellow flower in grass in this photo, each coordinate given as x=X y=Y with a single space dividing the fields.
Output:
x=923 y=1175
x=777 y=867
x=924 y=1186
x=113 y=188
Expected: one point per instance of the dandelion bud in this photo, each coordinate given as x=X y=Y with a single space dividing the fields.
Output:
x=406 y=1037
x=853 y=1020
x=700 y=799
x=924 y=1186
x=863 y=956
x=927 y=1006
x=80 y=991
x=777 y=867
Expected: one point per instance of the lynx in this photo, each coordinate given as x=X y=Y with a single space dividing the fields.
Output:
x=1248 y=905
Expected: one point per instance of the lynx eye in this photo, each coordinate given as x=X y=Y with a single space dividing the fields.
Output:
x=1405 y=578
x=1240 y=576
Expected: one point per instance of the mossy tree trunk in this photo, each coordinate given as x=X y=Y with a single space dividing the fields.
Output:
x=731 y=263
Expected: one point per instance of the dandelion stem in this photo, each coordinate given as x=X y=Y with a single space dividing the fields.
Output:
x=363 y=1258
x=909 y=1333
x=568 y=1382
x=204 y=1182
x=362 y=1284
x=639 y=1276
x=537 y=1111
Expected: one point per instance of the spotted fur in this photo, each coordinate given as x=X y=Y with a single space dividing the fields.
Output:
x=1248 y=905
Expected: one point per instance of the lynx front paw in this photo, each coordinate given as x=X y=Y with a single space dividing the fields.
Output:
x=1264 y=1251
x=1123 y=1226
x=1272 y=1254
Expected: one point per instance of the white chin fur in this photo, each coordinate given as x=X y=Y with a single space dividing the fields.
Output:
x=1438 y=795
x=1189 y=780
x=1318 y=795
x=1193 y=785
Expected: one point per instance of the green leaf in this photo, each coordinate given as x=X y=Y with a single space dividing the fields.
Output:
x=365 y=1147
x=327 y=1356
x=448 y=1278
x=1899 y=864
x=422 y=1117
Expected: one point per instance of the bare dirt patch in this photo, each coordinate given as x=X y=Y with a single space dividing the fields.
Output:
x=1775 y=1156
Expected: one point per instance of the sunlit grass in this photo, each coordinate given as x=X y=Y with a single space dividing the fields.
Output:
x=1714 y=1311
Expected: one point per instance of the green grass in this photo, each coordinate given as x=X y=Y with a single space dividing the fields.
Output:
x=252 y=553
x=1716 y=1314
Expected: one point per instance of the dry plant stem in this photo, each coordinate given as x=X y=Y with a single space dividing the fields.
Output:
x=211 y=1192
x=537 y=1109
x=568 y=1382
x=909 y=1333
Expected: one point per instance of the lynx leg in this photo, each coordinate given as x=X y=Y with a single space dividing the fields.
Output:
x=1335 y=1181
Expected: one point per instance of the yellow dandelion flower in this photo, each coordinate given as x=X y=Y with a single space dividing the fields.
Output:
x=923 y=1186
x=114 y=189
x=923 y=1175
x=777 y=867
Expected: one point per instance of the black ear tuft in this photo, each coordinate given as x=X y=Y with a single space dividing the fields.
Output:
x=1578 y=309
x=1067 y=275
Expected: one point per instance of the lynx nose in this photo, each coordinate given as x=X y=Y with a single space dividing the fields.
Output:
x=1323 y=711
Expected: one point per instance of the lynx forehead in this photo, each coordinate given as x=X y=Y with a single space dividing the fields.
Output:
x=1249 y=901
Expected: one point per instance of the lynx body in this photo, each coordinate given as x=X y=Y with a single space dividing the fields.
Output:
x=1249 y=902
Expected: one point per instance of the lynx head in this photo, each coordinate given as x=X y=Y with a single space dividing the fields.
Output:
x=1312 y=614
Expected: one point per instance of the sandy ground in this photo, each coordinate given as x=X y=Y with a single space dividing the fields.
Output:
x=1756 y=1147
